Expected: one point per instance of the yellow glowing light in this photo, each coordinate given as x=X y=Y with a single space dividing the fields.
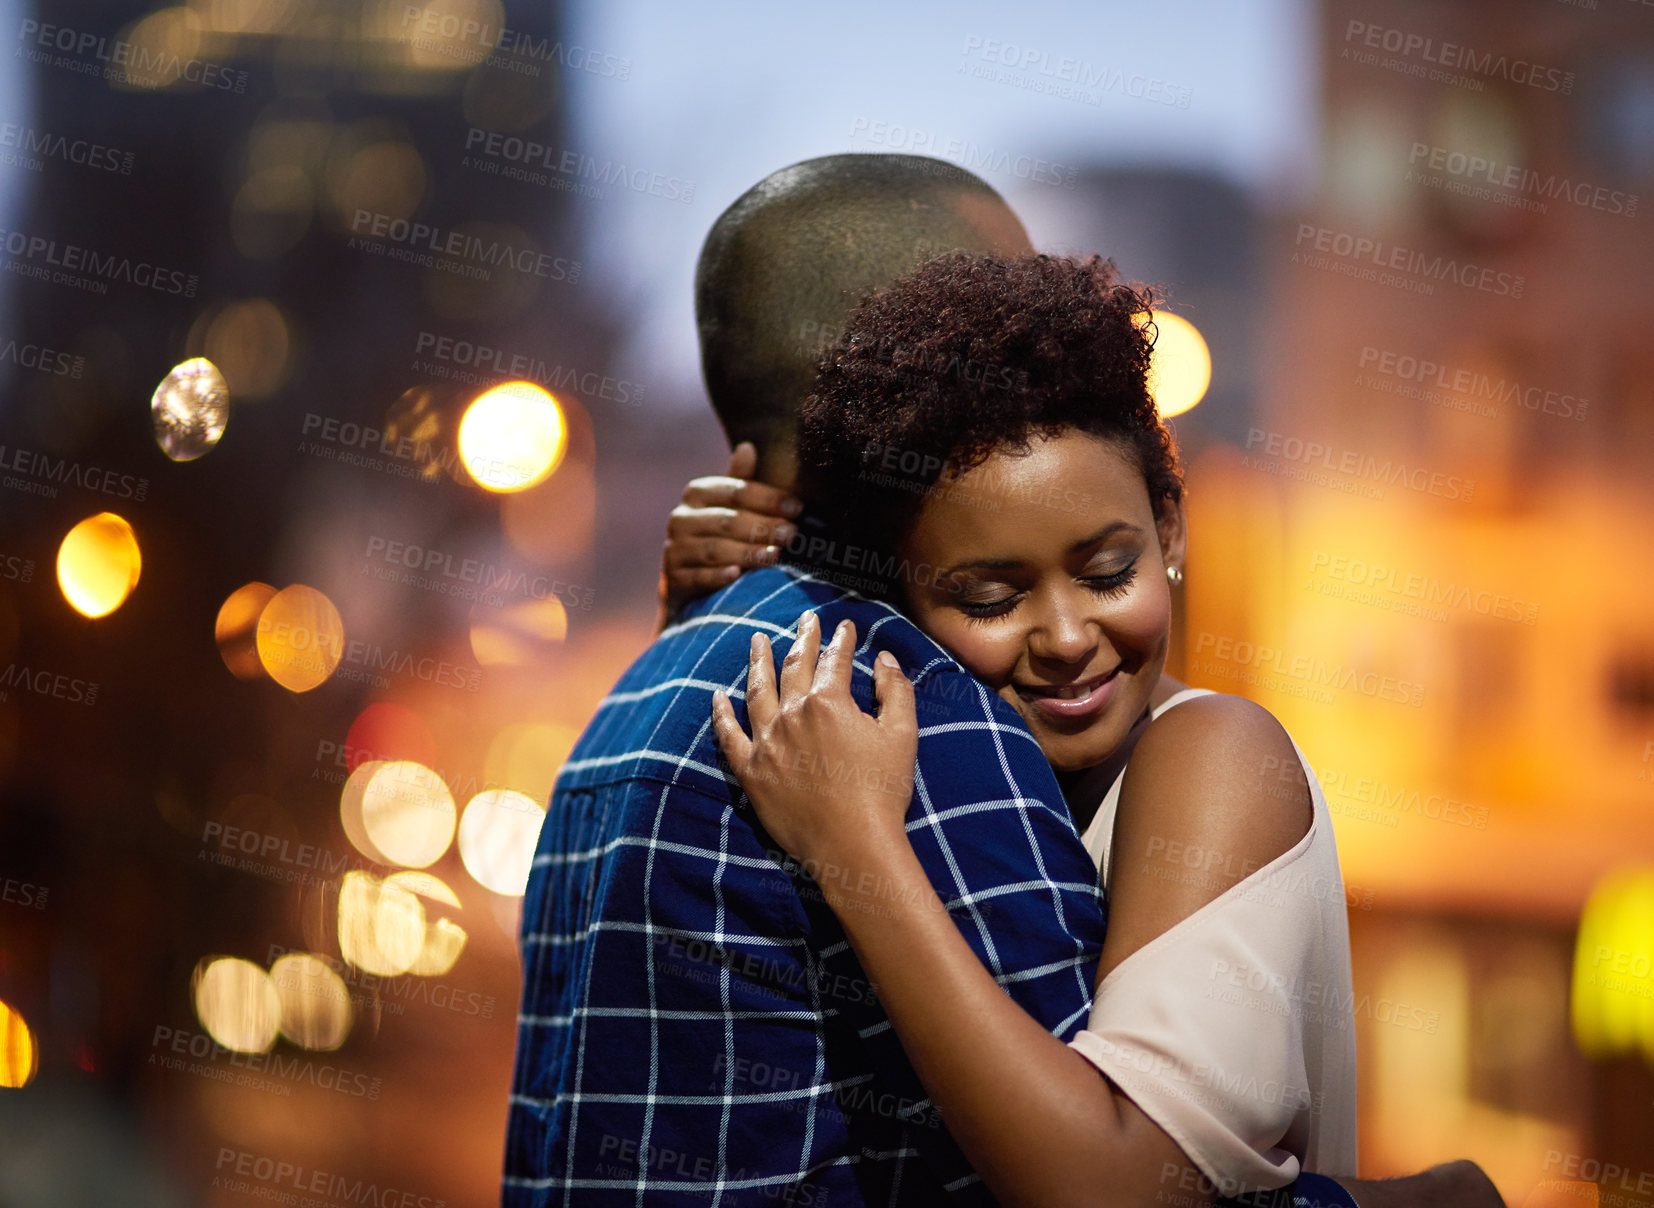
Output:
x=1612 y=1004
x=408 y=813
x=386 y=177
x=160 y=43
x=300 y=638
x=19 y=1055
x=189 y=409
x=246 y=16
x=445 y=33
x=1562 y=1193
x=512 y=437
x=526 y=756
x=381 y=927
x=1181 y=367
x=444 y=941
x=497 y=838
x=236 y=1003
x=98 y=564
x=351 y=798
x=425 y=885
x=517 y=634
x=249 y=342
x=236 y=629
x=315 y=1003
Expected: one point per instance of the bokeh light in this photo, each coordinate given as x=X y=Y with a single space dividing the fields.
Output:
x=351 y=799
x=381 y=927
x=237 y=1004
x=416 y=423
x=166 y=37
x=1180 y=369
x=98 y=564
x=300 y=638
x=236 y=629
x=315 y=1002
x=19 y=1055
x=426 y=885
x=1612 y=1004
x=444 y=941
x=386 y=730
x=249 y=342
x=443 y=34
x=526 y=756
x=517 y=634
x=408 y=813
x=497 y=837
x=190 y=409
x=554 y=522
x=512 y=437
x=385 y=177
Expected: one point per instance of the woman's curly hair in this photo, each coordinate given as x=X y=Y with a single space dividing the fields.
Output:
x=967 y=355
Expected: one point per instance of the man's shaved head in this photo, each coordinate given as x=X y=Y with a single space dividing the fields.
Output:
x=784 y=266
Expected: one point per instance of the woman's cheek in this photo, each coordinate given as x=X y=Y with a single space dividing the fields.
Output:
x=986 y=651
x=1147 y=617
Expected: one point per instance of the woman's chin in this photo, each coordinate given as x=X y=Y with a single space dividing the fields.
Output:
x=1071 y=753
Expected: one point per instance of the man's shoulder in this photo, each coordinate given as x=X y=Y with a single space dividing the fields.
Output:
x=770 y=600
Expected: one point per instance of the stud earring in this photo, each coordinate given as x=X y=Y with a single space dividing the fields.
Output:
x=1175 y=575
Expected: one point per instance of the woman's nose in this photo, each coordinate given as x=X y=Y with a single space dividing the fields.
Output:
x=1063 y=632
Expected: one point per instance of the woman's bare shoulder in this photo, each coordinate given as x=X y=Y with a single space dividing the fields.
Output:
x=1220 y=769
x=1214 y=791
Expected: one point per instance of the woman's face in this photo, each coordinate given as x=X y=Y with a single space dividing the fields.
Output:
x=1050 y=586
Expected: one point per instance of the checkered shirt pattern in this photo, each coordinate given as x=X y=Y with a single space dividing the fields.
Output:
x=694 y=1025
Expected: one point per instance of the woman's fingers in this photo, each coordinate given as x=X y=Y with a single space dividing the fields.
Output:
x=762 y=705
x=743 y=460
x=798 y=669
x=737 y=747
x=893 y=693
x=833 y=671
x=698 y=551
x=720 y=491
x=688 y=524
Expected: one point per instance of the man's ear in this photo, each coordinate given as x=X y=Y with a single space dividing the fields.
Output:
x=1173 y=535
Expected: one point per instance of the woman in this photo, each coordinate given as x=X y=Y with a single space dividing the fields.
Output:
x=1033 y=506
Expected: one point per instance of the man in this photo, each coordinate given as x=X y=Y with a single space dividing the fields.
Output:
x=694 y=1025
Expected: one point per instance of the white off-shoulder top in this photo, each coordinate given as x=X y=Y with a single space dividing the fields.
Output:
x=1234 y=1031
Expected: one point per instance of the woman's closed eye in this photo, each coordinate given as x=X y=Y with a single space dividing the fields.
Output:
x=990 y=600
x=1114 y=582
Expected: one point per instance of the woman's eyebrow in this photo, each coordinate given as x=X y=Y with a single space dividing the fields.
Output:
x=1107 y=531
x=1102 y=534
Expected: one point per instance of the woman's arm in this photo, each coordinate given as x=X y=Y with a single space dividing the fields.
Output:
x=1038 y=1121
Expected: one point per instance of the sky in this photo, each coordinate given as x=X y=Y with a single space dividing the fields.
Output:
x=719 y=94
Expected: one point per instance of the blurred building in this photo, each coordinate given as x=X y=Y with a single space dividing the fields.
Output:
x=1420 y=554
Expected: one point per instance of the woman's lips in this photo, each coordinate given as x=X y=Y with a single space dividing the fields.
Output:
x=1079 y=699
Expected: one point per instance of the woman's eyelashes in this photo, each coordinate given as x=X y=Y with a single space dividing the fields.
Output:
x=989 y=600
x=1115 y=583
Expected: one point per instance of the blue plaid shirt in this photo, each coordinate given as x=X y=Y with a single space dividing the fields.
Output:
x=694 y=1026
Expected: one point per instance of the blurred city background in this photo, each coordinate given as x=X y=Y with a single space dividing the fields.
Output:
x=299 y=615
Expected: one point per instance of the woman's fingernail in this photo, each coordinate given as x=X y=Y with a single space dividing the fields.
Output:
x=753 y=645
x=792 y=507
x=731 y=573
x=768 y=556
x=784 y=533
x=888 y=660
